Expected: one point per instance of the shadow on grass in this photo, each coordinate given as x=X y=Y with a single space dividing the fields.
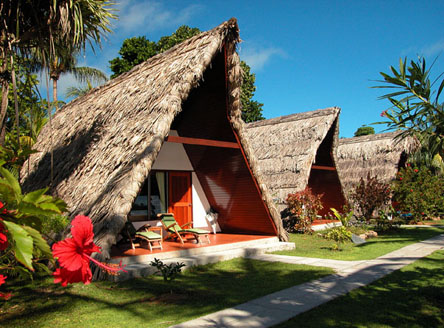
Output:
x=412 y=297
x=150 y=300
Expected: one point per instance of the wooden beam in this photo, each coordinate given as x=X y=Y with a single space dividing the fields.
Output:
x=322 y=167
x=202 y=142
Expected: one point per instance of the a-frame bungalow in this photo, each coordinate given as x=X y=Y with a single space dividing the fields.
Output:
x=299 y=150
x=380 y=155
x=165 y=136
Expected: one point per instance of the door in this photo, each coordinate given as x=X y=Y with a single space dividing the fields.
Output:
x=180 y=200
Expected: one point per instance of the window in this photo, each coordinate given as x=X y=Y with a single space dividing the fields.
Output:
x=154 y=189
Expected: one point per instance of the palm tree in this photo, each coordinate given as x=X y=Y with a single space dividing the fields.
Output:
x=42 y=26
x=66 y=63
x=74 y=92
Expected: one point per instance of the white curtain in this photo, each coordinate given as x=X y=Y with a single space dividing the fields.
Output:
x=160 y=178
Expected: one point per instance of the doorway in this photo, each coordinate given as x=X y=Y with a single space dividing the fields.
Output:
x=180 y=201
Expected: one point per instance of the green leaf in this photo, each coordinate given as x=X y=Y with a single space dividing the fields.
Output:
x=7 y=193
x=39 y=243
x=36 y=210
x=35 y=196
x=22 y=244
x=11 y=181
x=439 y=90
x=31 y=221
x=50 y=207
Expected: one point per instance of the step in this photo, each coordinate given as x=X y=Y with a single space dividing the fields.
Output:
x=217 y=254
x=146 y=258
x=323 y=226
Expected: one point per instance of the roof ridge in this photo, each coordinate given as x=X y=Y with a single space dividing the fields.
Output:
x=296 y=117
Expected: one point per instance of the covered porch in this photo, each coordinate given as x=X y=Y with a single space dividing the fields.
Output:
x=223 y=246
x=176 y=249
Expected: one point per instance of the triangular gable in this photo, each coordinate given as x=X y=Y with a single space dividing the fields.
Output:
x=104 y=144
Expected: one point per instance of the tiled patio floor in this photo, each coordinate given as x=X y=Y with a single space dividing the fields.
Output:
x=123 y=250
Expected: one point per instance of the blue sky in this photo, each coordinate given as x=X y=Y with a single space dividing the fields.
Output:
x=306 y=54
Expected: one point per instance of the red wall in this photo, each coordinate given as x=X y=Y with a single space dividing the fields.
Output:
x=222 y=172
x=327 y=183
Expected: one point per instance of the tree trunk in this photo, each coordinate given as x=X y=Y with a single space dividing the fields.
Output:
x=54 y=93
x=5 y=92
x=14 y=87
x=3 y=111
x=50 y=127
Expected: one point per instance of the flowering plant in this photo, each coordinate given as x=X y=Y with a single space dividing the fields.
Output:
x=21 y=215
x=74 y=254
x=419 y=192
x=303 y=207
x=23 y=218
x=369 y=195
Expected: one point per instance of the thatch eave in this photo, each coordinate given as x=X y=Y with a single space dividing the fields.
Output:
x=379 y=155
x=286 y=147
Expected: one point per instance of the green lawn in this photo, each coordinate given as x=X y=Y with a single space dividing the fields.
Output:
x=411 y=297
x=148 y=302
x=316 y=246
x=437 y=222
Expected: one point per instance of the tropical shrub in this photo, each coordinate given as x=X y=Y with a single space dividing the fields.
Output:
x=169 y=271
x=416 y=107
x=339 y=234
x=419 y=192
x=343 y=217
x=14 y=155
x=22 y=220
x=303 y=208
x=370 y=195
x=387 y=220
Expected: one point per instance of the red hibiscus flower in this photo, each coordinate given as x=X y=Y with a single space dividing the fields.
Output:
x=3 y=238
x=3 y=209
x=74 y=254
x=6 y=296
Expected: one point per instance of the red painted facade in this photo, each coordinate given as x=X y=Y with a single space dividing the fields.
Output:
x=324 y=178
x=223 y=172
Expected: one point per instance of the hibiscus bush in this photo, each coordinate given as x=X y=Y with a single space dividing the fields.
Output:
x=26 y=221
x=370 y=195
x=418 y=192
x=22 y=218
x=303 y=208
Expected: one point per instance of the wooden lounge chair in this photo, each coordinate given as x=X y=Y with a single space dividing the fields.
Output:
x=145 y=233
x=174 y=230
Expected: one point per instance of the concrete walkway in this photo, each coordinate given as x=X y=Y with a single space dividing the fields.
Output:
x=278 y=307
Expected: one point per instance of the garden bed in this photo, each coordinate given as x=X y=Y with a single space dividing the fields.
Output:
x=318 y=247
x=149 y=302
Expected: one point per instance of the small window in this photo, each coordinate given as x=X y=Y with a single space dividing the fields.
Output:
x=154 y=189
x=158 y=192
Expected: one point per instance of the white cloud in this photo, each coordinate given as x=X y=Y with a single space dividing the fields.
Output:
x=257 y=58
x=434 y=49
x=430 y=50
x=151 y=15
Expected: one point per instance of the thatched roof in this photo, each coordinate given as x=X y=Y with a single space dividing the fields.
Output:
x=105 y=142
x=377 y=154
x=286 y=147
